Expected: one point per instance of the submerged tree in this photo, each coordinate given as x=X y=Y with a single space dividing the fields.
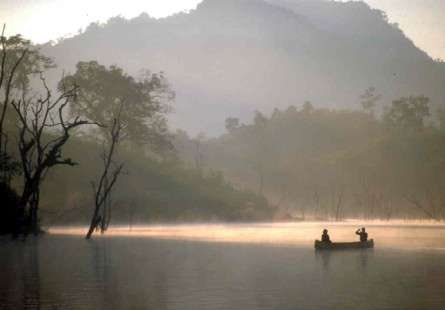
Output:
x=136 y=109
x=334 y=164
x=260 y=126
x=111 y=171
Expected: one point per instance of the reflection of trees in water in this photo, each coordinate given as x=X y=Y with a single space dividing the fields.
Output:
x=158 y=298
x=154 y=277
x=324 y=257
x=10 y=275
x=362 y=257
x=101 y=271
x=29 y=255
x=122 y=281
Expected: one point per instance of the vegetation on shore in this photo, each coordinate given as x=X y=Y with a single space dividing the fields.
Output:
x=376 y=162
x=69 y=129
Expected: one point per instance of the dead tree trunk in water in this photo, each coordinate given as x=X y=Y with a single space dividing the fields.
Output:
x=339 y=205
x=107 y=180
x=131 y=214
x=261 y=181
x=282 y=198
x=421 y=207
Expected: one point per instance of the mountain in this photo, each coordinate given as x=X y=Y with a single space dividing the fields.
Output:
x=231 y=57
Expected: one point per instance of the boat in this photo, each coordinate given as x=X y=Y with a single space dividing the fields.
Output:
x=343 y=245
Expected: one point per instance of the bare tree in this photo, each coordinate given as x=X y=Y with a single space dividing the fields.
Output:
x=338 y=202
x=283 y=197
x=387 y=206
x=318 y=205
x=428 y=208
x=198 y=141
x=107 y=180
x=43 y=131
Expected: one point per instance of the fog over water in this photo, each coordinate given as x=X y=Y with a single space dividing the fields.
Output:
x=191 y=162
x=395 y=234
x=214 y=266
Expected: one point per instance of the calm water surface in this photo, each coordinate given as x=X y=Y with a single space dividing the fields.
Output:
x=252 y=266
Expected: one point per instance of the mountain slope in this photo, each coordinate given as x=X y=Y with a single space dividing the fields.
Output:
x=228 y=58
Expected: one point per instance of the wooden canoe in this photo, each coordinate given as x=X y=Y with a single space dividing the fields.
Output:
x=343 y=245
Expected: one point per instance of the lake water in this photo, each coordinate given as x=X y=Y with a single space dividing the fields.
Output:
x=250 y=266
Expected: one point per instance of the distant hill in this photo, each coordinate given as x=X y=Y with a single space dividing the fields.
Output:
x=231 y=57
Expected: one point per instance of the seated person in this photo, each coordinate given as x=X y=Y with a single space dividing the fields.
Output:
x=325 y=236
x=363 y=234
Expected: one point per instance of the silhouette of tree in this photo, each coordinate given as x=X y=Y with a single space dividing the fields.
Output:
x=338 y=163
x=43 y=131
x=107 y=180
x=232 y=123
x=369 y=99
x=308 y=107
x=18 y=61
x=408 y=112
x=145 y=102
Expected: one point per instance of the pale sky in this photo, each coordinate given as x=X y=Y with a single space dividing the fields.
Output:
x=423 y=21
x=43 y=20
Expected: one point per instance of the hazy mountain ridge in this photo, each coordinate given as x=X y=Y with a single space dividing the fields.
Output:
x=228 y=58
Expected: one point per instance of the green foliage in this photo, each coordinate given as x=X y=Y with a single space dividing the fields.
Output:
x=155 y=188
x=104 y=90
x=232 y=123
x=319 y=162
x=149 y=191
x=307 y=107
x=8 y=167
x=408 y=113
x=33 y=61
x=369 y=99
x=441 y=119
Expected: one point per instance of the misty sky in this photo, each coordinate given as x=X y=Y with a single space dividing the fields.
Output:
x=44 y=20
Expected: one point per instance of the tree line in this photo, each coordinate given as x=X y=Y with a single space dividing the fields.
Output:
x=100 y=109
x=373 y=162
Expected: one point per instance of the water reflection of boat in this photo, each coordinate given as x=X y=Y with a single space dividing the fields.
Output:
x=343 y=245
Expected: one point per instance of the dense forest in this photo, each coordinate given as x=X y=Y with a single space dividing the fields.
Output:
x=64 y=148
x=317 y=163
x=150 y=190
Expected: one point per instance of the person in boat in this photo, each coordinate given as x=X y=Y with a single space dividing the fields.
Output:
x=363 y=234
x=325 y=236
